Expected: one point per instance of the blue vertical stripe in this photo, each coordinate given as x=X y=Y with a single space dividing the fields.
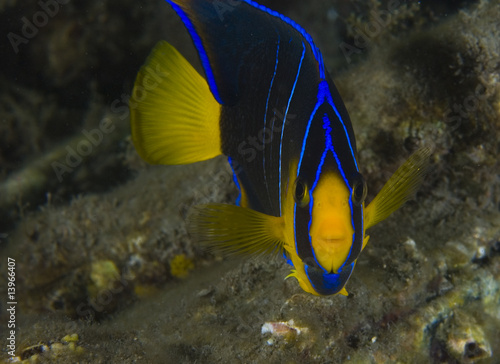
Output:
x=265 y=119
x=325 y=95
x=330 y=101
x=311 y=203
x=199 y=47
x=284 y=117
x=297 y=27
x=235 y=180
x=328 y=148
x=204 y=56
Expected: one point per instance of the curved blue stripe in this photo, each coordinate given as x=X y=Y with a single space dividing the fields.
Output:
x=204 y=56
x=330 y=282
x=199 y=47
x=265 y=120
x=235 y=180
x=342 y=173
x=350 y=206
x=284 y=118
x=330 y=101
x=324 y=94
x=297 y=27
x=329 y=147
x=311 y=203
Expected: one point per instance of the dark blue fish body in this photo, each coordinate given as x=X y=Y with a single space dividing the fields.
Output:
x=288 y=136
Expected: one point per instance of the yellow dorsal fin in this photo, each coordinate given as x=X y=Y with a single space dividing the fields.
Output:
x=236 y=230
x=174 y=116
x=399 y=188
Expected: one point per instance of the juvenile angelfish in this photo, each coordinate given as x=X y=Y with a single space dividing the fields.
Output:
x=270 y=106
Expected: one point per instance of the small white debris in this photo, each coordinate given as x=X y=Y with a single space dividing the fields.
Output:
x=287 y=330
x=481 y=252
x=411 y=243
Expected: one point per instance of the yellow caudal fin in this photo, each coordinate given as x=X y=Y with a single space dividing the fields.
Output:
x=236 y=230
x=399 y=188
x=174 y=116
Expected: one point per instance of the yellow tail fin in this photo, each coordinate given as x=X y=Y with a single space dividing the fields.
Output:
x=174 y=116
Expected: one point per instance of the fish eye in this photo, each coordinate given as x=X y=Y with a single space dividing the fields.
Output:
x=301 y=193
x=359 y=190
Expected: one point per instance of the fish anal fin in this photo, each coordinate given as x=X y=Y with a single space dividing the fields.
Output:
x=399 y=188
x=236 y=230
x=174 y=116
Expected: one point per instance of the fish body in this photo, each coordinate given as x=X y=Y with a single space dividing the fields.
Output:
x=269 y=104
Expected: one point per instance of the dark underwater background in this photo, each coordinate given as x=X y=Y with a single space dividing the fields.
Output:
x=105 y=271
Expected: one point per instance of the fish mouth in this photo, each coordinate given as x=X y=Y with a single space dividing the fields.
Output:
x=331 y=250
x=330 y=240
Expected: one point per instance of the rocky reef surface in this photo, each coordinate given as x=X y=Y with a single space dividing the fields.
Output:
x=104 y=268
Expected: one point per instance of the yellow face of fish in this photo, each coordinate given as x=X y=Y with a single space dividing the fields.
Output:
x=324 y=211
x=331 y=228
x=330 y=234
x=332 y=231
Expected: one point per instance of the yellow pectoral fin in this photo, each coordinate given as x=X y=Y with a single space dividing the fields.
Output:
x=236 y=230
x=174 y=116
x=399 y=188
